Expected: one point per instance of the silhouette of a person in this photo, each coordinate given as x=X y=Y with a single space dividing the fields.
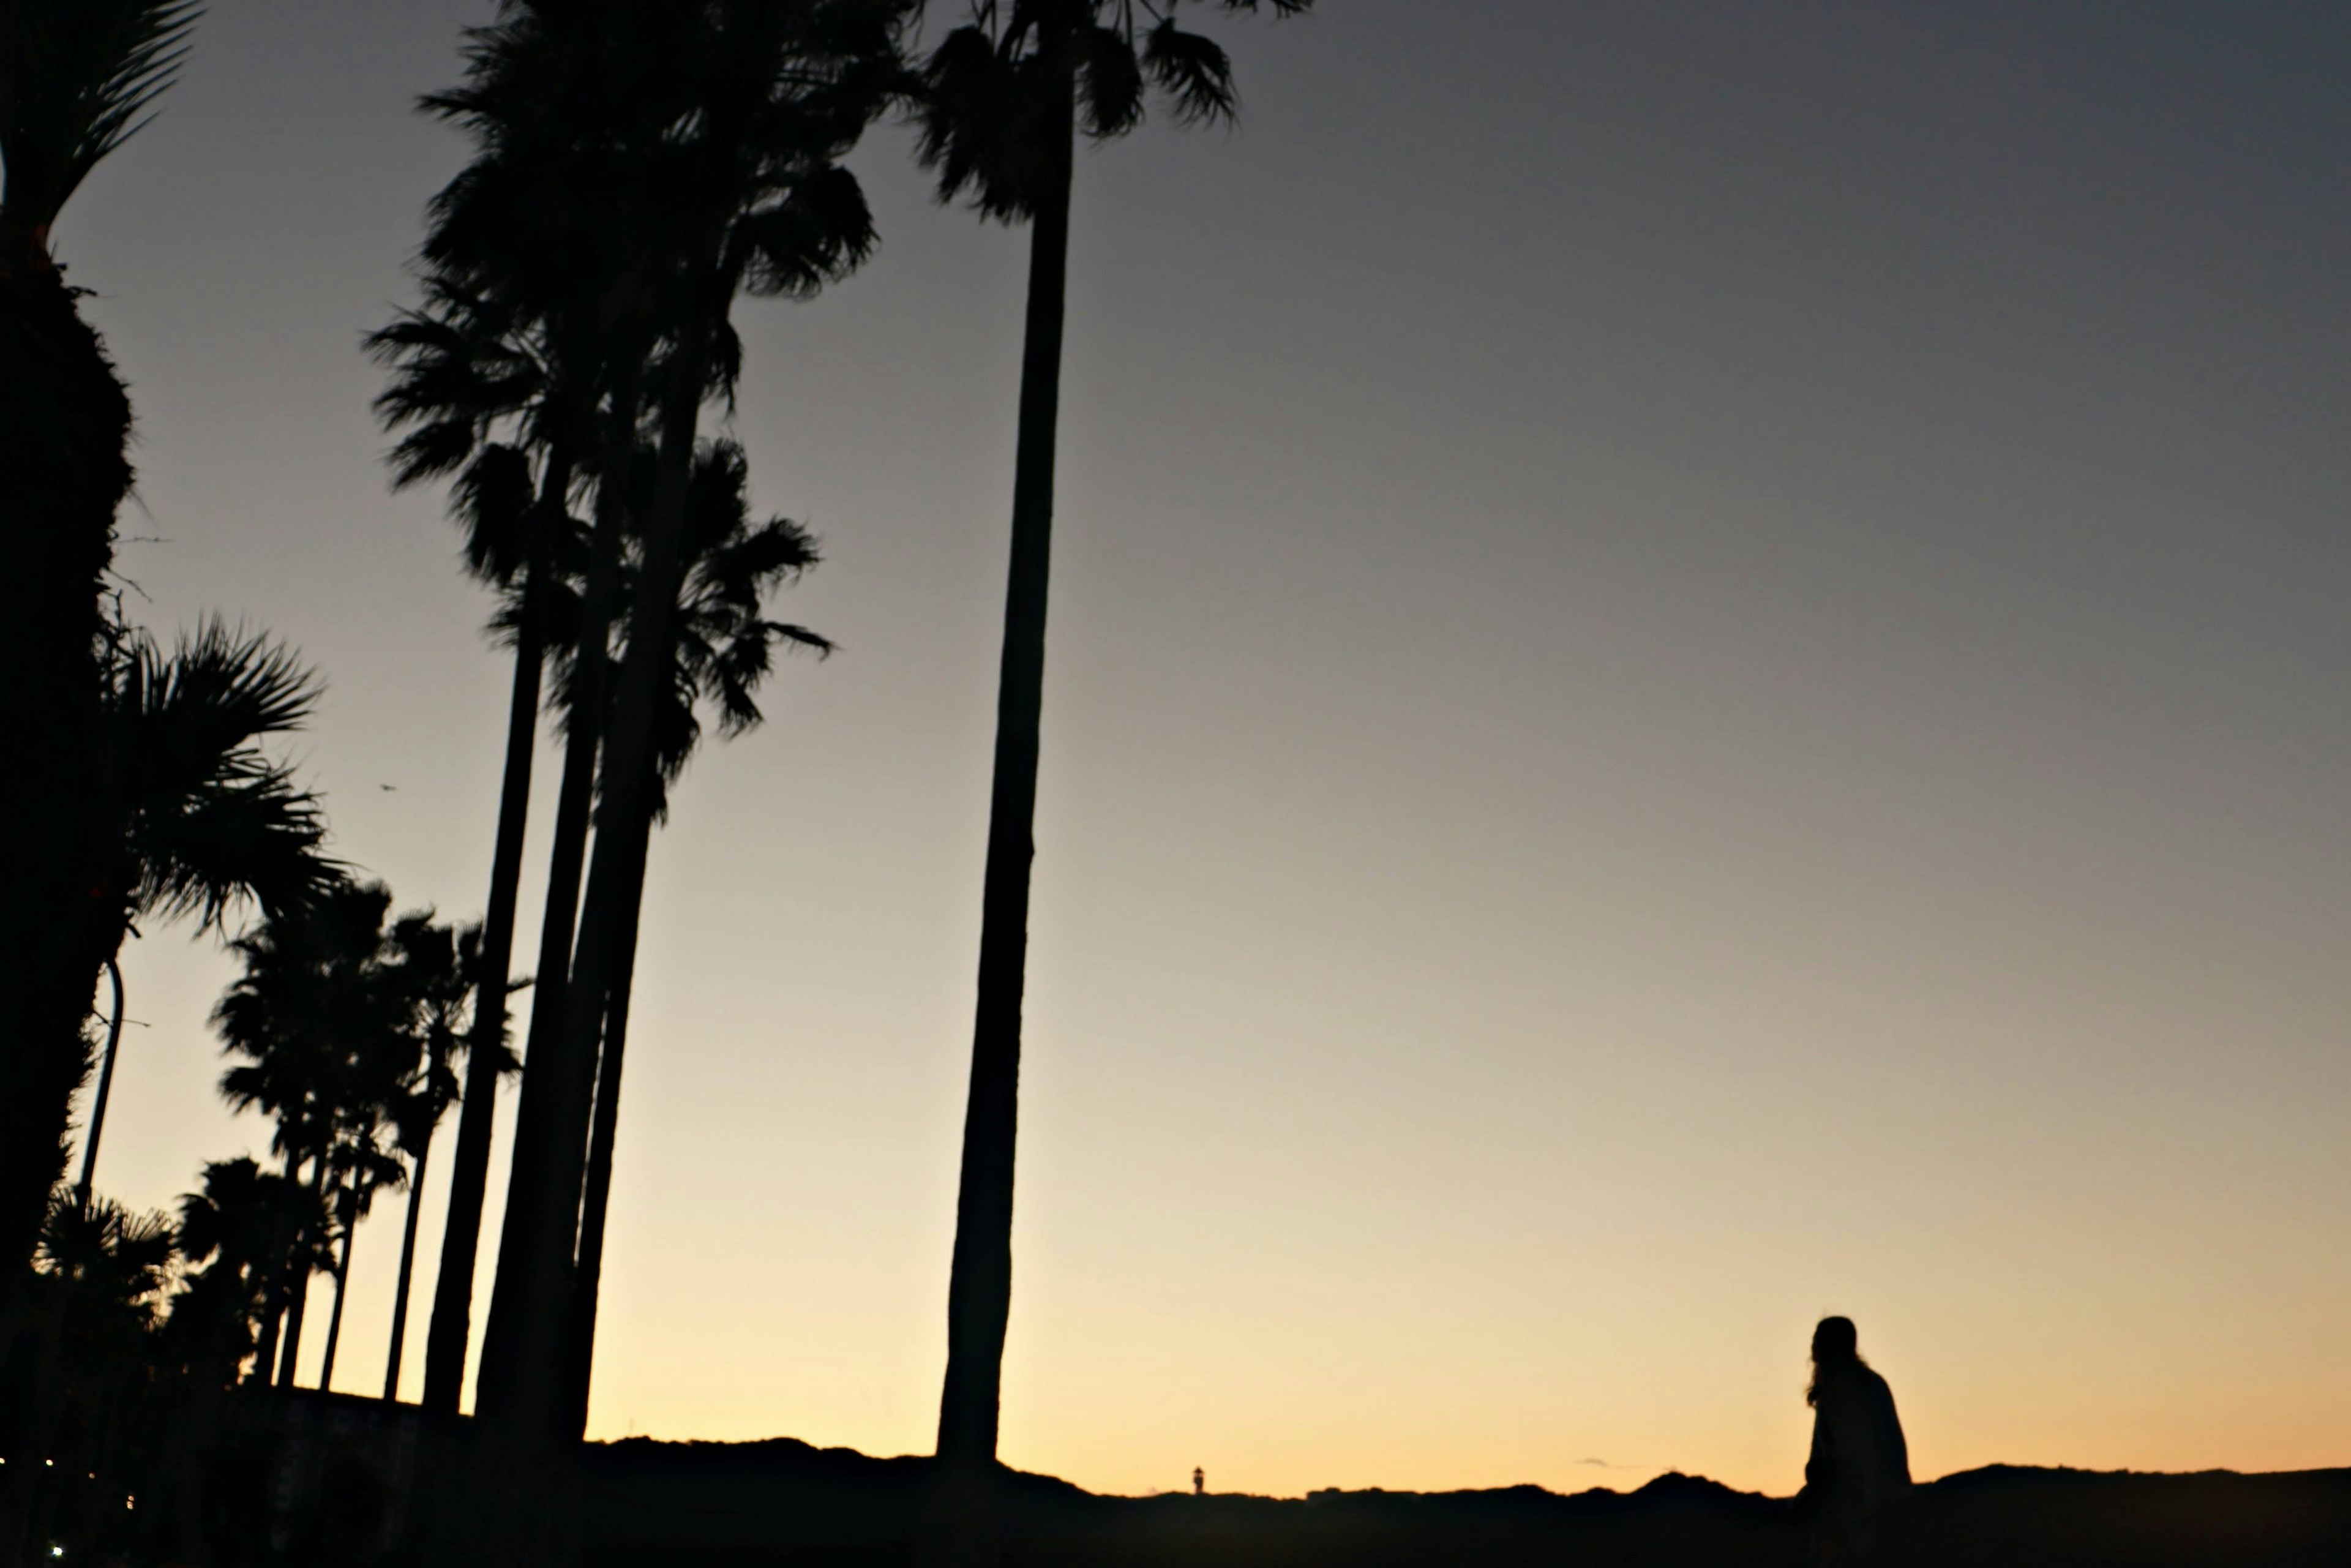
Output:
x=1199 y=1480
x=1860 y=1467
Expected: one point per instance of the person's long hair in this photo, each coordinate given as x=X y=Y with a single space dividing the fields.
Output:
x=1836 y=1348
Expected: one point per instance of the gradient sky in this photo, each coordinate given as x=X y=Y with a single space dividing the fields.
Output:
x=1698 y=677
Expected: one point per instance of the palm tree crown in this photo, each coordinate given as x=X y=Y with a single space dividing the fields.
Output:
x=78 y=78
x=214 y=819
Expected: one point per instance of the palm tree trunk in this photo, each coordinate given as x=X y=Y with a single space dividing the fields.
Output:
x=407 y=1268
x=105 y=1085
x=575 y=801
x=273 y=1299
x=348 y=1200
x=979 y=1287
x=300 y=1280
x=65 y=424
x=536 y=1258
x=597 y=1202
x=461 y=1234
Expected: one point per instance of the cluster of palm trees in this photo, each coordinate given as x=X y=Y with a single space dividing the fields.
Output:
x=345 y=1023
x=638 y=167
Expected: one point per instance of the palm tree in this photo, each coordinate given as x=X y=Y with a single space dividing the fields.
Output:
x=228 y=1235
x=231 y=1238
x=555 y=220
x=367 y=1168
x=725 y=650
x=1005 y=96
x=106 y=1270
x=210 y=821
x=77 y=78
x=462 y=367
x=441 y=967
x=321 y=1015
x=748 y=132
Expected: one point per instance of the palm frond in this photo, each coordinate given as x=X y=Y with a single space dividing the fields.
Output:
x=1193 y=70
x=77 y=79
x=1110 y=83
x=215 y=820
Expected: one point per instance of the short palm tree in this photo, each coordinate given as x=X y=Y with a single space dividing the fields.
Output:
x=106 y=1271
x=1005 y=96
x=77 y=78
x=231 y=1237
x=210 y=821
x=442 y=969
x=228 y=1235
x=319 y=1014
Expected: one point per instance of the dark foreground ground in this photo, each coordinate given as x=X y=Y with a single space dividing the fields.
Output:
x=720 y=1505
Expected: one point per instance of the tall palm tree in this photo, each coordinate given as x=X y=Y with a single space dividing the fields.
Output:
x=209 y=820
x=464 y=367
x=725 y=649
x=555 y=220
x=77 y=78
x=1005 y=96
x=748 y=133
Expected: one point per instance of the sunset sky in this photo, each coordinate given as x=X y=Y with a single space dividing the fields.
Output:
x=1699 y=675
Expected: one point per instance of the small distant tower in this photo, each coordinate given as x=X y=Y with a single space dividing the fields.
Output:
x=1199 y=1481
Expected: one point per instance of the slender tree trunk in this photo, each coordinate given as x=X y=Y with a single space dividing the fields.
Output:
x=979 y=1289
x=574 y=807
x=536 y=1258
x=105 y=1086
x=348 y=1201
x=300 y=1295
x=65 y=425
x=407 y=1270
x=597 y=1203
x=279 y=1270
x=461 y=1234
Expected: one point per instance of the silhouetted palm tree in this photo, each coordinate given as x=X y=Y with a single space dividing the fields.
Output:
x=1005 y=96
x=464 y=368
x=105 y=1269
x=557 y=220
x=209 y=820
x=364 y=1167
x=725 y=650
x=320 y=1014
x=441 y=966
x=77 y=78
x=760 y=102
x=230 y=1239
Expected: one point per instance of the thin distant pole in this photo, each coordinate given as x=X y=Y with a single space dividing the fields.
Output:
x=105 y=1082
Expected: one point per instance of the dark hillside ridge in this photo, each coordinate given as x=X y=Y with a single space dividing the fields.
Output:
x=783 y=1502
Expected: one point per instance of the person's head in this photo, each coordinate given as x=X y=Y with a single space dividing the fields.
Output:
x=1837 y=1349
x=1835 y=1341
